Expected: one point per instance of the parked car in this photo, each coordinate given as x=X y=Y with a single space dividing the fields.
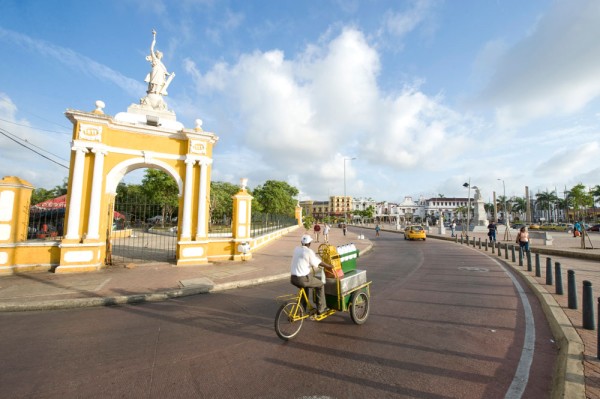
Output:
x=155 y=219
x=595 y=227
x=415 y=233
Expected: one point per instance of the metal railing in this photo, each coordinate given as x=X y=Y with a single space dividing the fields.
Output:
x=263 y=223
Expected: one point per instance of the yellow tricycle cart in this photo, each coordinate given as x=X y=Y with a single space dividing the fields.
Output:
x=346 y=290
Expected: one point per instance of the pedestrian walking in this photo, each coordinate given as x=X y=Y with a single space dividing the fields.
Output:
x=377 y=229
x=577 y=229
x=326 y=232
x=523 y=239
x=317 y=230
x=453 y=228
x=492 y=229
x=344 y=228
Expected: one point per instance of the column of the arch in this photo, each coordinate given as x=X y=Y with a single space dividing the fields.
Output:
x=96 y=199
x=201 y=231
x=186 y=228
x=76 y=194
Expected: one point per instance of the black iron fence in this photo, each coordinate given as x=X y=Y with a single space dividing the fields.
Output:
x=263 y=223
x=46 y=223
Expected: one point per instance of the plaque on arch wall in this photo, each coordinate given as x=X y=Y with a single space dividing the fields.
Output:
x=90 y=132
x=197 y=147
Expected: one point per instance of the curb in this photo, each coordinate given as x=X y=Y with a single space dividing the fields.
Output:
x=142 y=298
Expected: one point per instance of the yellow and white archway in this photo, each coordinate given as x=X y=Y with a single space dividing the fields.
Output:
x=104 y=150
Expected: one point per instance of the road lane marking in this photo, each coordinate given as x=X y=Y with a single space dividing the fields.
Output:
x=519 y=383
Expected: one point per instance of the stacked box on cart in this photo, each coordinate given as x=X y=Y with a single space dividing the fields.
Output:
x=348 y=254
x=351 y=280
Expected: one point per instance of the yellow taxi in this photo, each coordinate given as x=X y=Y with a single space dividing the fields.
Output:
x=414 y=233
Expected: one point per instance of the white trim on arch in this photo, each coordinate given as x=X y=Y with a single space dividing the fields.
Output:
x=117 y=173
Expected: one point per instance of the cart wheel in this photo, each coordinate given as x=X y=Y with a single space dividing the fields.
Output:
x=285 y=327
x=359 y=307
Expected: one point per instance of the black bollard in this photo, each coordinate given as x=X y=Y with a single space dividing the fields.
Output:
x=538 y=267
x=572 y=288
x=558 y=278
x=529 y=260
x=493 y=247
x=506 y=251
x=499 y=251
x=461 y=240
x=588 y=306
x=473 y=242
x=520 y=256
x=486 y=246
x=548 y=271
x=479 y=243
x=512 y=251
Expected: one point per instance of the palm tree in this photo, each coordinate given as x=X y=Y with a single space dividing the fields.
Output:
x=519 y=206
x=546 y=200
x=501 y=201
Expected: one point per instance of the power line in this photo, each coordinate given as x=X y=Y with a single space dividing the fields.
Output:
x=35 y=128
x=30 y=149
x=33 y=145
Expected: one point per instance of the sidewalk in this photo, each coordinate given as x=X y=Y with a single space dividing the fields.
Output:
x=155 y=281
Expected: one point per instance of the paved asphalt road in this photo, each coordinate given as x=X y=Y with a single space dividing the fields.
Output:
x=445 y=322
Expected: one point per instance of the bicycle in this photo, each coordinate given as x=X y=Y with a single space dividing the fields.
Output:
x=297 y=307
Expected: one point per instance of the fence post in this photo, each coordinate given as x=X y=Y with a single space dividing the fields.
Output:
x=538 y=267
x=572 y=289
x=588 y=306
x=558 y=278
x=548 y=271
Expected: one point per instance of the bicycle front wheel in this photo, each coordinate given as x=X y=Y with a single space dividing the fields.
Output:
x=288 y=320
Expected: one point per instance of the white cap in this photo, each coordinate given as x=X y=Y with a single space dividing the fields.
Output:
x=306 y=239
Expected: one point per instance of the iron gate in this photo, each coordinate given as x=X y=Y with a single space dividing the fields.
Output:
x=142 y=232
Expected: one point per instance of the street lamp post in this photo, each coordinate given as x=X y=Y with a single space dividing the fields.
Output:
x=345 y=206
x=468 y=185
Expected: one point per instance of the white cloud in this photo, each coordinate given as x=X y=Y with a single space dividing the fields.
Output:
x=401 y=23
x=552 y=71
x=306 y=114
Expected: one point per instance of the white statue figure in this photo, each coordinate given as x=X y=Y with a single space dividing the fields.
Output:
x=158 y=79
x=477 y=194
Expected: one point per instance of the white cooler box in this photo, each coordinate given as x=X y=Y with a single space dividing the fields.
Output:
x=350 y=281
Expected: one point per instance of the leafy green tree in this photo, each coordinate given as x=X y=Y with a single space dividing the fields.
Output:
x=160 y=188
x=221 y=201
x=308 y=222
x=275 y=197
x=62 y=189
x=581 y=199
x=41 y=194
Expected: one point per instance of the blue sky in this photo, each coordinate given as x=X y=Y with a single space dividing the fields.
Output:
x=424 y=94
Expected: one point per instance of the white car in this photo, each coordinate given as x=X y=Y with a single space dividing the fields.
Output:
x=155 y=219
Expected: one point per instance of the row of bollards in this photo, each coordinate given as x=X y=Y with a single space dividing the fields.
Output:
x=551 y=279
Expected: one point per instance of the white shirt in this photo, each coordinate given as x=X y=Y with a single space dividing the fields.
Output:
x=302 y=261
x=326 y=231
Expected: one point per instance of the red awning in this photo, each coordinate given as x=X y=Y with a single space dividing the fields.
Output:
x=61 y=202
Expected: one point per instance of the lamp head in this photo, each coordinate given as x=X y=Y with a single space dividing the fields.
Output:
x=466 y=185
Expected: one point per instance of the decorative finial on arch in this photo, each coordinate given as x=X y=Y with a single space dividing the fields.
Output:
x=198 y=127
x=99 y=107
